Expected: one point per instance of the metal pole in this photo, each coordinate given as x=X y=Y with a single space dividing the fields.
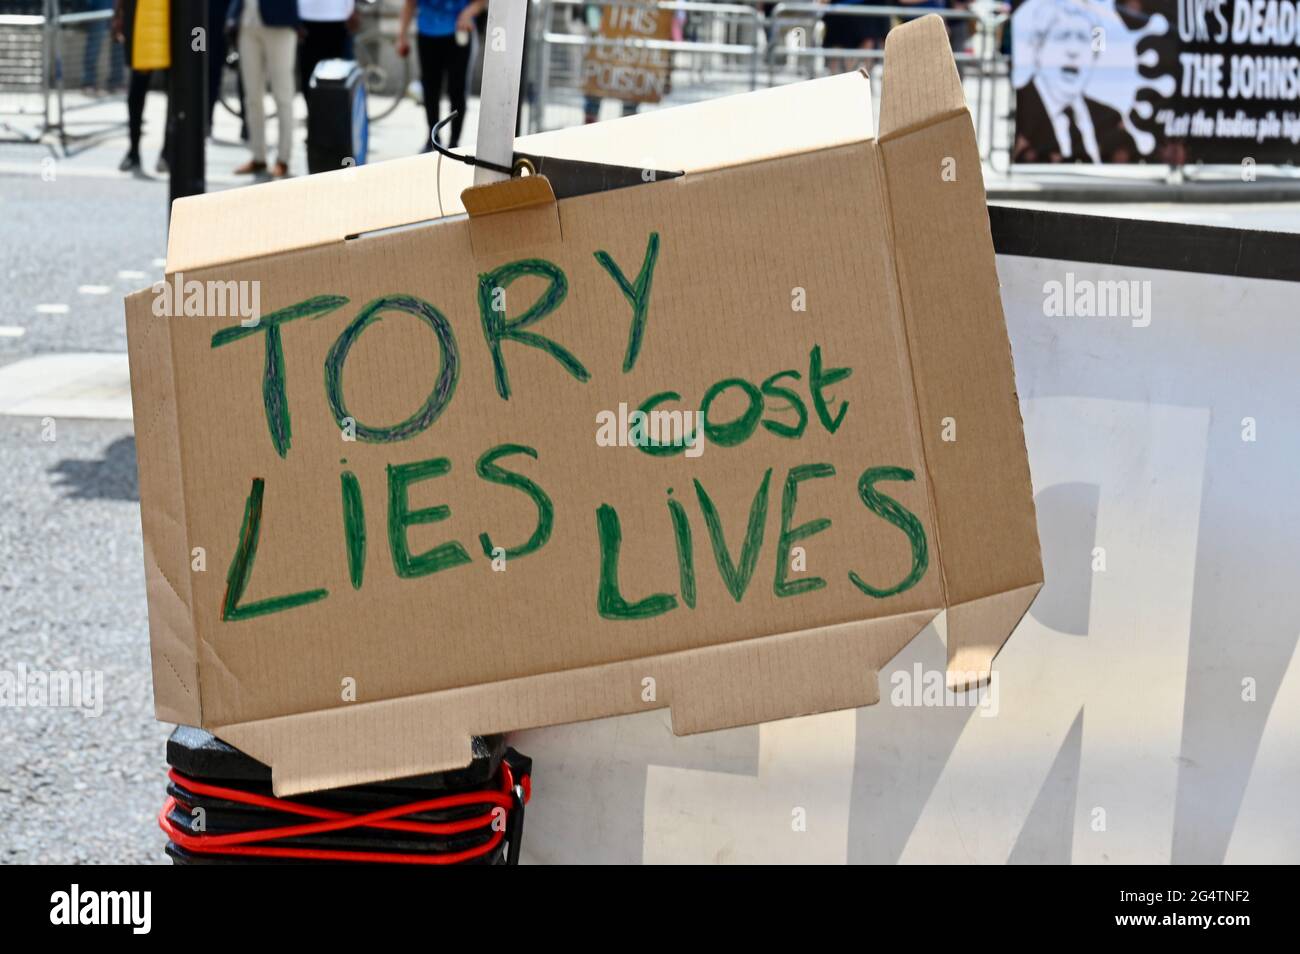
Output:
x=756 y=25
x=187 y=98
x=53 y=18
x=498 y=108
x=47 y=61
x=537 y=115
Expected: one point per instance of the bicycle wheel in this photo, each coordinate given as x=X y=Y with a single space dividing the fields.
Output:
x=228 y=91
x=385 y=89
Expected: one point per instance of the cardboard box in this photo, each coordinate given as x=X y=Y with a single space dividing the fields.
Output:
x=331 y=606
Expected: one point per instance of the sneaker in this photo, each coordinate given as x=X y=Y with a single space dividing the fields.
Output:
x=279 y=171
x=251 y=168
x=129 y=163
x=162 y=168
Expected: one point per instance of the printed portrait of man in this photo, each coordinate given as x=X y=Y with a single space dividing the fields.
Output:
x=1055 y=120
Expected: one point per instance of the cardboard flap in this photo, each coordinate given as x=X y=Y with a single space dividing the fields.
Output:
x=720 y=133
x=790 y=675
x=972 y=435
x=239 y=224
x=921 y=84
x=976 y=631
x=166 y=536
x=514 y=213
x=758 y=680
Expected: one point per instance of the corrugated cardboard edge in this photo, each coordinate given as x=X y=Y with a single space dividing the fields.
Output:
x=166 y=538
x=832 y=667
x=322 y=209
x=287 y=215
x=956 y=334
x=921 y=84
x=719 y=133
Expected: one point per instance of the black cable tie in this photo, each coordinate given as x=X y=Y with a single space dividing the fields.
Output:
x=468 y=160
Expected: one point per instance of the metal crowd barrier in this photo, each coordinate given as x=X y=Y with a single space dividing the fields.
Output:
x=59 y=67
x=978 y=68
x=24 y=76
x=734 y=47
x=719 y=53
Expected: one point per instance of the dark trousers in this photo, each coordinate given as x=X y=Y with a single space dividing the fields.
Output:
x=322 y=40
x=217 y=54
x=440 y=55
x=135 y=97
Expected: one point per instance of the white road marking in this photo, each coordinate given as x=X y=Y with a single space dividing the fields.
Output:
x=93 y=289
x=54 y=308
x=12 y=331
x=67 y=386
x=130 y=274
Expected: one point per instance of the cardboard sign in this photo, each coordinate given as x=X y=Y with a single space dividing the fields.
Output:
x=721 y=443
x=629 y=72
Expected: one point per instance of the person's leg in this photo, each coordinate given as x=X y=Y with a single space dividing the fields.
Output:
x=216 y=53
x=135 y=96
x=457 y=73
x=165 y=156
x=348 y=47
x=431 y=78
x=167 y=131
x=310 y=53
x=281 y=45
x=243 y=109
x=252 y=71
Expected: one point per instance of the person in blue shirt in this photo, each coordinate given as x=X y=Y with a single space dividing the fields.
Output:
x=443 y=29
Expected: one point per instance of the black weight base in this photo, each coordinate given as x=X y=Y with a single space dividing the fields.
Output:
x=200 y=756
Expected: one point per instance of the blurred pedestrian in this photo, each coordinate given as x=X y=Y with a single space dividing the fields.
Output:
x=443 y=29
x=124 y=25
x=959 y=31
x=852 y=31
x=217 y=11
x=268 y=43
x=96 y=30
x=327 y=28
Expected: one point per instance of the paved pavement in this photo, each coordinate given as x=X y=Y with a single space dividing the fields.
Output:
x=77 y=235
x=77 y=787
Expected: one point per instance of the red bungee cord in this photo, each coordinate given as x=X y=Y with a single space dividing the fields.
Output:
x=248 y=842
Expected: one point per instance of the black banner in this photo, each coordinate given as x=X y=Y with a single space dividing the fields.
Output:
x=1164 y=81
